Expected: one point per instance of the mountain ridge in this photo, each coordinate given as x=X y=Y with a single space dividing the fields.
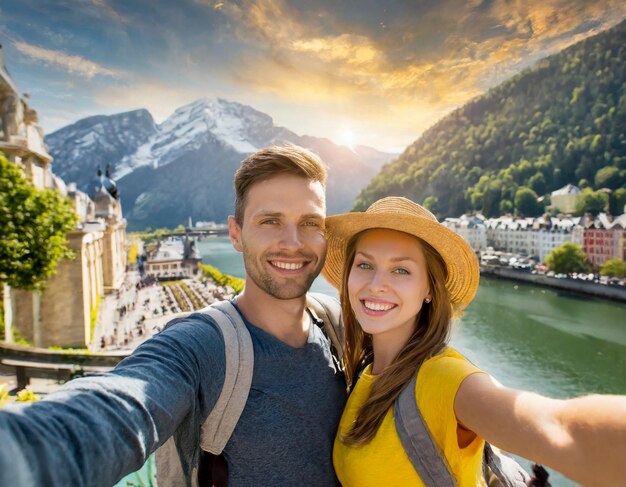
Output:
x=561 y=121
x=203 y=142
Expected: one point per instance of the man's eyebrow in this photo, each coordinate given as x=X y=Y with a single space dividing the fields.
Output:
x=278 y=214
x=266 y=213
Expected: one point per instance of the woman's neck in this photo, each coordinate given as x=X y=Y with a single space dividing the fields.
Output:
x=386 y=347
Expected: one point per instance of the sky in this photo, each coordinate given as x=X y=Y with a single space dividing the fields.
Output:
x=376 y=73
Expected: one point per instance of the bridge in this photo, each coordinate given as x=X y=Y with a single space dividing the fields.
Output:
x=220 y=231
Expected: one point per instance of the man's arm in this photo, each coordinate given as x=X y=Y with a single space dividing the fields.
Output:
x=97 y=429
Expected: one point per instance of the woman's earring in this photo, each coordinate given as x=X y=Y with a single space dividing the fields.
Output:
x=427 y=300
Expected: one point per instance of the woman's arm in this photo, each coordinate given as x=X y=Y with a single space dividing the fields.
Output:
x=584 y=438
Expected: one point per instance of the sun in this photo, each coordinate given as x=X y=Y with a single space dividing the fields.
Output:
x=347 y=137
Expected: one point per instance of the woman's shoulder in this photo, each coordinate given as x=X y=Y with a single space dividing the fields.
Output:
x=448 y=365
x=448 y=354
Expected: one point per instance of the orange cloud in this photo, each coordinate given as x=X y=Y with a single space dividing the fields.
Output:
x=345 y=48
x=416 y=67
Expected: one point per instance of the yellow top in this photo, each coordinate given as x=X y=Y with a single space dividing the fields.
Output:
x=383 y=461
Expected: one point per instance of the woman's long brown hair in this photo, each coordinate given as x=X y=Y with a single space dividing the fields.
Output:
x=429 y=338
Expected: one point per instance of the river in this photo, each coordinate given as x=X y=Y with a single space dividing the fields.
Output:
x=527 y=337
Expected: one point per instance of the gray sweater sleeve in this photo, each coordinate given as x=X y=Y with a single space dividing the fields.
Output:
x=97 y=429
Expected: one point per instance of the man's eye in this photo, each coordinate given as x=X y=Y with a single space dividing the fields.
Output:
x=271 y=221
x=312 y=224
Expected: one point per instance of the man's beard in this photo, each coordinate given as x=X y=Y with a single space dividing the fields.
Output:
x=292 y=287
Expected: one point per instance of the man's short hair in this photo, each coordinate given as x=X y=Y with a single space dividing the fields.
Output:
x=273 y=161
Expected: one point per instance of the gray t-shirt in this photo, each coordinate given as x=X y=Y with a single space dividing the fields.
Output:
x=286 y=431
x=97 y=429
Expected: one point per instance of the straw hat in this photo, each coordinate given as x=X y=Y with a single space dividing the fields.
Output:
x=404 y=215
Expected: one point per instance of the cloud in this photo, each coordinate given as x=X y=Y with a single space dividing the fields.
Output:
x=393 y=67
x=350 y=49
x=396 y=69
x=73 y=64
x=159 y=98
x=445 y=52
x=103 y=6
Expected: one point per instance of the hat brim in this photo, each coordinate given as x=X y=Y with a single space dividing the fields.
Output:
x=461 y=261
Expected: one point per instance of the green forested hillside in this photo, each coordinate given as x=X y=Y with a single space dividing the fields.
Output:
x=562 y=121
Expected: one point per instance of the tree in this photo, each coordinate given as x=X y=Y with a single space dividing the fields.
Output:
x=526 y=203
x=33 y=228
x=592 y=202
x=538 y=183
x=609 y=177
x=613 y=267
x=506 y=207
x=491 y=198
x=432 y=203
x=617 y=202
x=567 y=258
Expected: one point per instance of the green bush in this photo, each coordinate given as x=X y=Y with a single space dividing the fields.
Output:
x=224 y=279
x=33 y=228
x=613 y=267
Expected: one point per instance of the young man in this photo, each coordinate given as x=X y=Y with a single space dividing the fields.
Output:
x=96 y=430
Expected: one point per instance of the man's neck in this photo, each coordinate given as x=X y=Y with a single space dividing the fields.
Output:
x=284 y=319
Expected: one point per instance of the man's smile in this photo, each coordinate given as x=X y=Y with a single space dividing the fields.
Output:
x=290 y=266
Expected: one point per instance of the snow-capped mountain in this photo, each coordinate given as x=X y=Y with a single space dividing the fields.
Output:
x=236 y=126
x=184 y=167
x=80 y=148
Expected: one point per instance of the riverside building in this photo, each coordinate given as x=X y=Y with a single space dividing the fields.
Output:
x=601 y=238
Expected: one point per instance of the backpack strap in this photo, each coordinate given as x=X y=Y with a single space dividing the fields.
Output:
x=417 y=441
x=506 y=469
x=239 y=366
x=239 y=352
x=430 y=463
x=221 y=422
x=328 y=310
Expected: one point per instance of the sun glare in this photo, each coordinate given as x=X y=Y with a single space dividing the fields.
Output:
x=348 y=138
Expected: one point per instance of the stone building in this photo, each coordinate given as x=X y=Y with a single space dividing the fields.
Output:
x=64 y=312
x=109 y=210
x=174 y=259
x=21 y=138
x=565 y=198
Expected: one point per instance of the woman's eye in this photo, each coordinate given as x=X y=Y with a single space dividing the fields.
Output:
x=364 y=265
x=402 y=272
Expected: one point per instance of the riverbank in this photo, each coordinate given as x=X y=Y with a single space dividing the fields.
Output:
x=614 y=293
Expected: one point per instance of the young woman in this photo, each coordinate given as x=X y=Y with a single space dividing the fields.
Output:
x=402 y=277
